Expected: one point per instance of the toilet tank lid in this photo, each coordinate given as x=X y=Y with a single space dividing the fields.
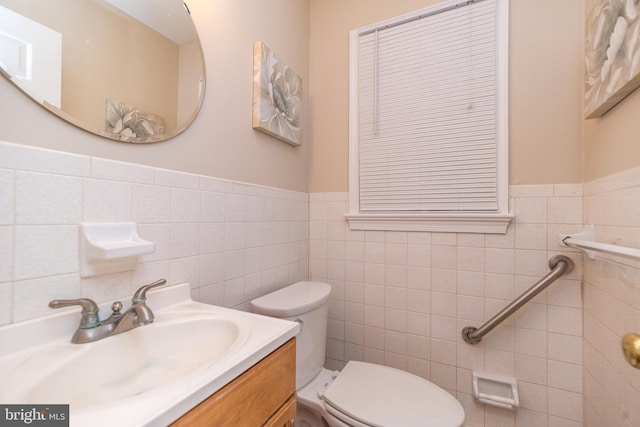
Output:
x=292 y=300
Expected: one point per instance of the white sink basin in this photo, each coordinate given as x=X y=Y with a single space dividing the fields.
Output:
x=147 y=376
x=127 y=364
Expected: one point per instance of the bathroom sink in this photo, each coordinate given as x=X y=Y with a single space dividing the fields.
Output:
x=125 y=365
x=148 y=376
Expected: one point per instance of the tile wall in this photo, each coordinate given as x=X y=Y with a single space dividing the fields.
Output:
x=612 y=302
x=230 y=241
x=401 y=299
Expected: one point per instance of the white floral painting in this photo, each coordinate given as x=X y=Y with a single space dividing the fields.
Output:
x=277 y=97
x=612 y=55
x=127 y=123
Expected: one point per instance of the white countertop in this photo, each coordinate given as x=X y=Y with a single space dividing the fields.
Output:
x=159 y=406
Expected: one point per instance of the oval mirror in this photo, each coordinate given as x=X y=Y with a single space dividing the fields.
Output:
x=128 y=70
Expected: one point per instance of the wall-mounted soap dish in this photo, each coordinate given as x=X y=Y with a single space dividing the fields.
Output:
x=110 y=248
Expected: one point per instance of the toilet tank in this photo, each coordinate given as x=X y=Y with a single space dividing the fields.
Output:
x=307 y=304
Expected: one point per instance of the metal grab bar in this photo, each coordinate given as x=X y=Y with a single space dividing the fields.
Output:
x=559 y=265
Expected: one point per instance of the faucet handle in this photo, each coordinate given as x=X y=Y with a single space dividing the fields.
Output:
x=140 y=296
x=90 y=317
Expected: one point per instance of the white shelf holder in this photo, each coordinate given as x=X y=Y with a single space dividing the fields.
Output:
x=585 y=241
x=110 y=248
x=496 y=390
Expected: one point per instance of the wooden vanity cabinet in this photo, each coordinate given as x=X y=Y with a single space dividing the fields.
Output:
x=264 y=395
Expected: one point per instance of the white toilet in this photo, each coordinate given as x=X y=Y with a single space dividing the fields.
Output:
x=362 y=394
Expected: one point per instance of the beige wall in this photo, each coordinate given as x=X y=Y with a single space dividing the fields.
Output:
x=545 y=91
x=221 y=141
x=611 y=141
x=546 y=134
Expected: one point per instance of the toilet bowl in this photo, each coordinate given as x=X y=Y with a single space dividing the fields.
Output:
x=361 y=394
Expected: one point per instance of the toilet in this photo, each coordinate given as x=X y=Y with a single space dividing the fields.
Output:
x=362 y=394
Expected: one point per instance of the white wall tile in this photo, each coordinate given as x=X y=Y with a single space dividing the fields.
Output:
x=500 y=240
x=565 y=320
x=499 y=261
x=215 y=185
x=185 y=205
x=22 y=157
x=470 y=308
x=170 y=178
x=7 y=196
x=565 y=376
x=522 y=191
x=234 y=264
x=31 y=297
x=148 y=272
x=533 y=396
x=183 y=214
x=444 y=375
x=6 y=303
x=6 y=254
x=102 y=288
x=531 y=369
x=107 y=201
x=121 y=171
x=568 y=190
x=565 y=404
x=45 y=251
x=531 y=262
x=212 y=207
x=530 y=342
x=531 y=236
x=234 y=236
x=528 y=418
x=415 y=266
x=499 y=362
x=470 y=258
x=444 y=257
x=565 y=210
x=151 y=204
x=499 y=286
x=470 y=283
x=418 y=255
x=47 y=199
x=444 y=304
x=531 y=210
x=444 y=328
x=185 y=239
x=212 y=268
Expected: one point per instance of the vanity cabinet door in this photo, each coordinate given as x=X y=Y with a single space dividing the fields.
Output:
x=253 y=398
x=286 y=415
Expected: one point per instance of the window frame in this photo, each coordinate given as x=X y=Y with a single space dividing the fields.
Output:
x=447 y=221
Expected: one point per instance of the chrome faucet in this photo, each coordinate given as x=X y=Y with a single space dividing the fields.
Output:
x=91 y=328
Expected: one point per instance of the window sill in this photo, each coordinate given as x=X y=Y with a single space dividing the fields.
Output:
x=490 y=223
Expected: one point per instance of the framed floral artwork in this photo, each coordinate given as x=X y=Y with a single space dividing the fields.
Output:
x=128 y=123
x=277 y=96
x=612 y=55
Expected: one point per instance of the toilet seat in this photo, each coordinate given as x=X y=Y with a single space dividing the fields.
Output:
x=366 y=394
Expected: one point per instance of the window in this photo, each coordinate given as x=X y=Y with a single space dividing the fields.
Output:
x=428 y=120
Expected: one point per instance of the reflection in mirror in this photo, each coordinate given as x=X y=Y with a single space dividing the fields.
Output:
x=127 y=70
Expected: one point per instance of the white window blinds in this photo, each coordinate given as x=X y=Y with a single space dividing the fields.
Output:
x=427 y=112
